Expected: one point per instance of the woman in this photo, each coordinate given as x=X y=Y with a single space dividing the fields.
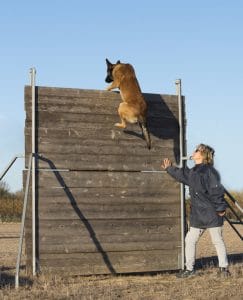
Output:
x=207 y=206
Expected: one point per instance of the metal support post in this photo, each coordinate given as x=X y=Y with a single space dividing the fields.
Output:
x=27 y=185
x=10 y=165
x=181 y=164
x=33 y=74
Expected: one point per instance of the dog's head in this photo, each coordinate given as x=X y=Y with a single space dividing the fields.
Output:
x=110 y=67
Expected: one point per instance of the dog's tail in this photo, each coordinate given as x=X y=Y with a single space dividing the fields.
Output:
x=145 y=132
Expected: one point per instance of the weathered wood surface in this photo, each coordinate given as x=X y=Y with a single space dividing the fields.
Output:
x=76 y=130
x=77 y=228
x=65 y=236
x=94 y=101
x=109 y=211
x=111 y=262
x=102 y=162
x=111 y=195
x=100 y=214
x=89 y=237
x=124 y=238
x=146 y=181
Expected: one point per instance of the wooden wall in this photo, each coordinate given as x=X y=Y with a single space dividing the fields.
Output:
x=98 y=213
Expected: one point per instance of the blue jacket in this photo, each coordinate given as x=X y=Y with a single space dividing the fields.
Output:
x=206 y=191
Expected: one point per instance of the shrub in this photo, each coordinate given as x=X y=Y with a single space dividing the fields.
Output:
x=4 y=190
x=11 y=204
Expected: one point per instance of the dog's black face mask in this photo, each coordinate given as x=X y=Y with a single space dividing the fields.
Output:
x=108 y=78
x=110 y=67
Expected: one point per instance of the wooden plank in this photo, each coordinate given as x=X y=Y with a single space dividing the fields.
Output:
x=171 y=197
x=94 y=101
x=91 y=162
x=124 y=237
x=111 y=262
x=83 y=212
x=67 y=144
x=107 y=205
x=125 y=194
x=109 y=134
x=92 y=179
x=92 y=186
x=104 y=108
x=66 y=93
x=46 y=120
x=72 y=120
x=74 y=92
x=116 y=138
x=111 y=143
x=112 y=240
x=102 y=149
x=105 y=194
x=138 y=227
x=110 y=244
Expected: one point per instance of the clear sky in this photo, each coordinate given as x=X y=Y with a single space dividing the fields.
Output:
x=67 y=42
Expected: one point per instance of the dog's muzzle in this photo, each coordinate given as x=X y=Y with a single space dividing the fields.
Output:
x=108 y=79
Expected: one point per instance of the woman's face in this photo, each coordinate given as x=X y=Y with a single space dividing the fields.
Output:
x=197 y=156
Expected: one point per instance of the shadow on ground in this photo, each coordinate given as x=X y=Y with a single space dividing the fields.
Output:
x=7 y=278
x=213 y=260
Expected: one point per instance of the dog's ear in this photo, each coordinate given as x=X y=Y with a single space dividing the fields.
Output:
x=108 y=62
x=118 y=62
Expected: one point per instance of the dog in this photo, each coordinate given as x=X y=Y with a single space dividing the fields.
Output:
x=133 y=109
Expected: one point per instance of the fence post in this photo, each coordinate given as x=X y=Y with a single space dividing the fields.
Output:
x=22 y=223
x=33 y=73
x=181 y=164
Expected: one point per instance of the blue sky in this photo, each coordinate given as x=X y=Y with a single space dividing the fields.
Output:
x=200 y=42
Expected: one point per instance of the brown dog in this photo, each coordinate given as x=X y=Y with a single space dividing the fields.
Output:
x=133 y=109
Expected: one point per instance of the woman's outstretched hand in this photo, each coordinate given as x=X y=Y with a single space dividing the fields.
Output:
x=166 y=163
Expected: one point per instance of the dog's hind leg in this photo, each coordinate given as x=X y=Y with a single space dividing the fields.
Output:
x=122 y=124
x=127 y=113
x=122 y=113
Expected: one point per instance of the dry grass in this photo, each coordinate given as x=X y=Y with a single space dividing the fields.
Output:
x=11 y=209
x=163 y=286
x=11 y=204
x=160 y=286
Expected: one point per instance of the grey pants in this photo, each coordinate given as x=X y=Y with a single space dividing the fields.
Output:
x=193 y=236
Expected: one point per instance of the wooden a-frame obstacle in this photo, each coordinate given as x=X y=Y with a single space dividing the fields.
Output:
x=102 y=204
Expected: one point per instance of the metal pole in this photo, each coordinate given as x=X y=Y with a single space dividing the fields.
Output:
x=178 y=92
x=233 y=227
x=10 y=165
x=22 y=223
x=33 y=73
x=181 y=164
x=238 y=206
x=234 y=201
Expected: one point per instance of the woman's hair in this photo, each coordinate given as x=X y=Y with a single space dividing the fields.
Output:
x=207 y=153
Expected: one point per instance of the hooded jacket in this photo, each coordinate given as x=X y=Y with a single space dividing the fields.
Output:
x=206 y=191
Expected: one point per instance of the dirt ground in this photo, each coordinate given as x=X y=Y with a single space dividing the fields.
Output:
x=163 y=286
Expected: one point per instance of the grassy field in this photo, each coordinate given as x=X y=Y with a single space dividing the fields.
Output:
x=206 y=285
x=163 y=286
